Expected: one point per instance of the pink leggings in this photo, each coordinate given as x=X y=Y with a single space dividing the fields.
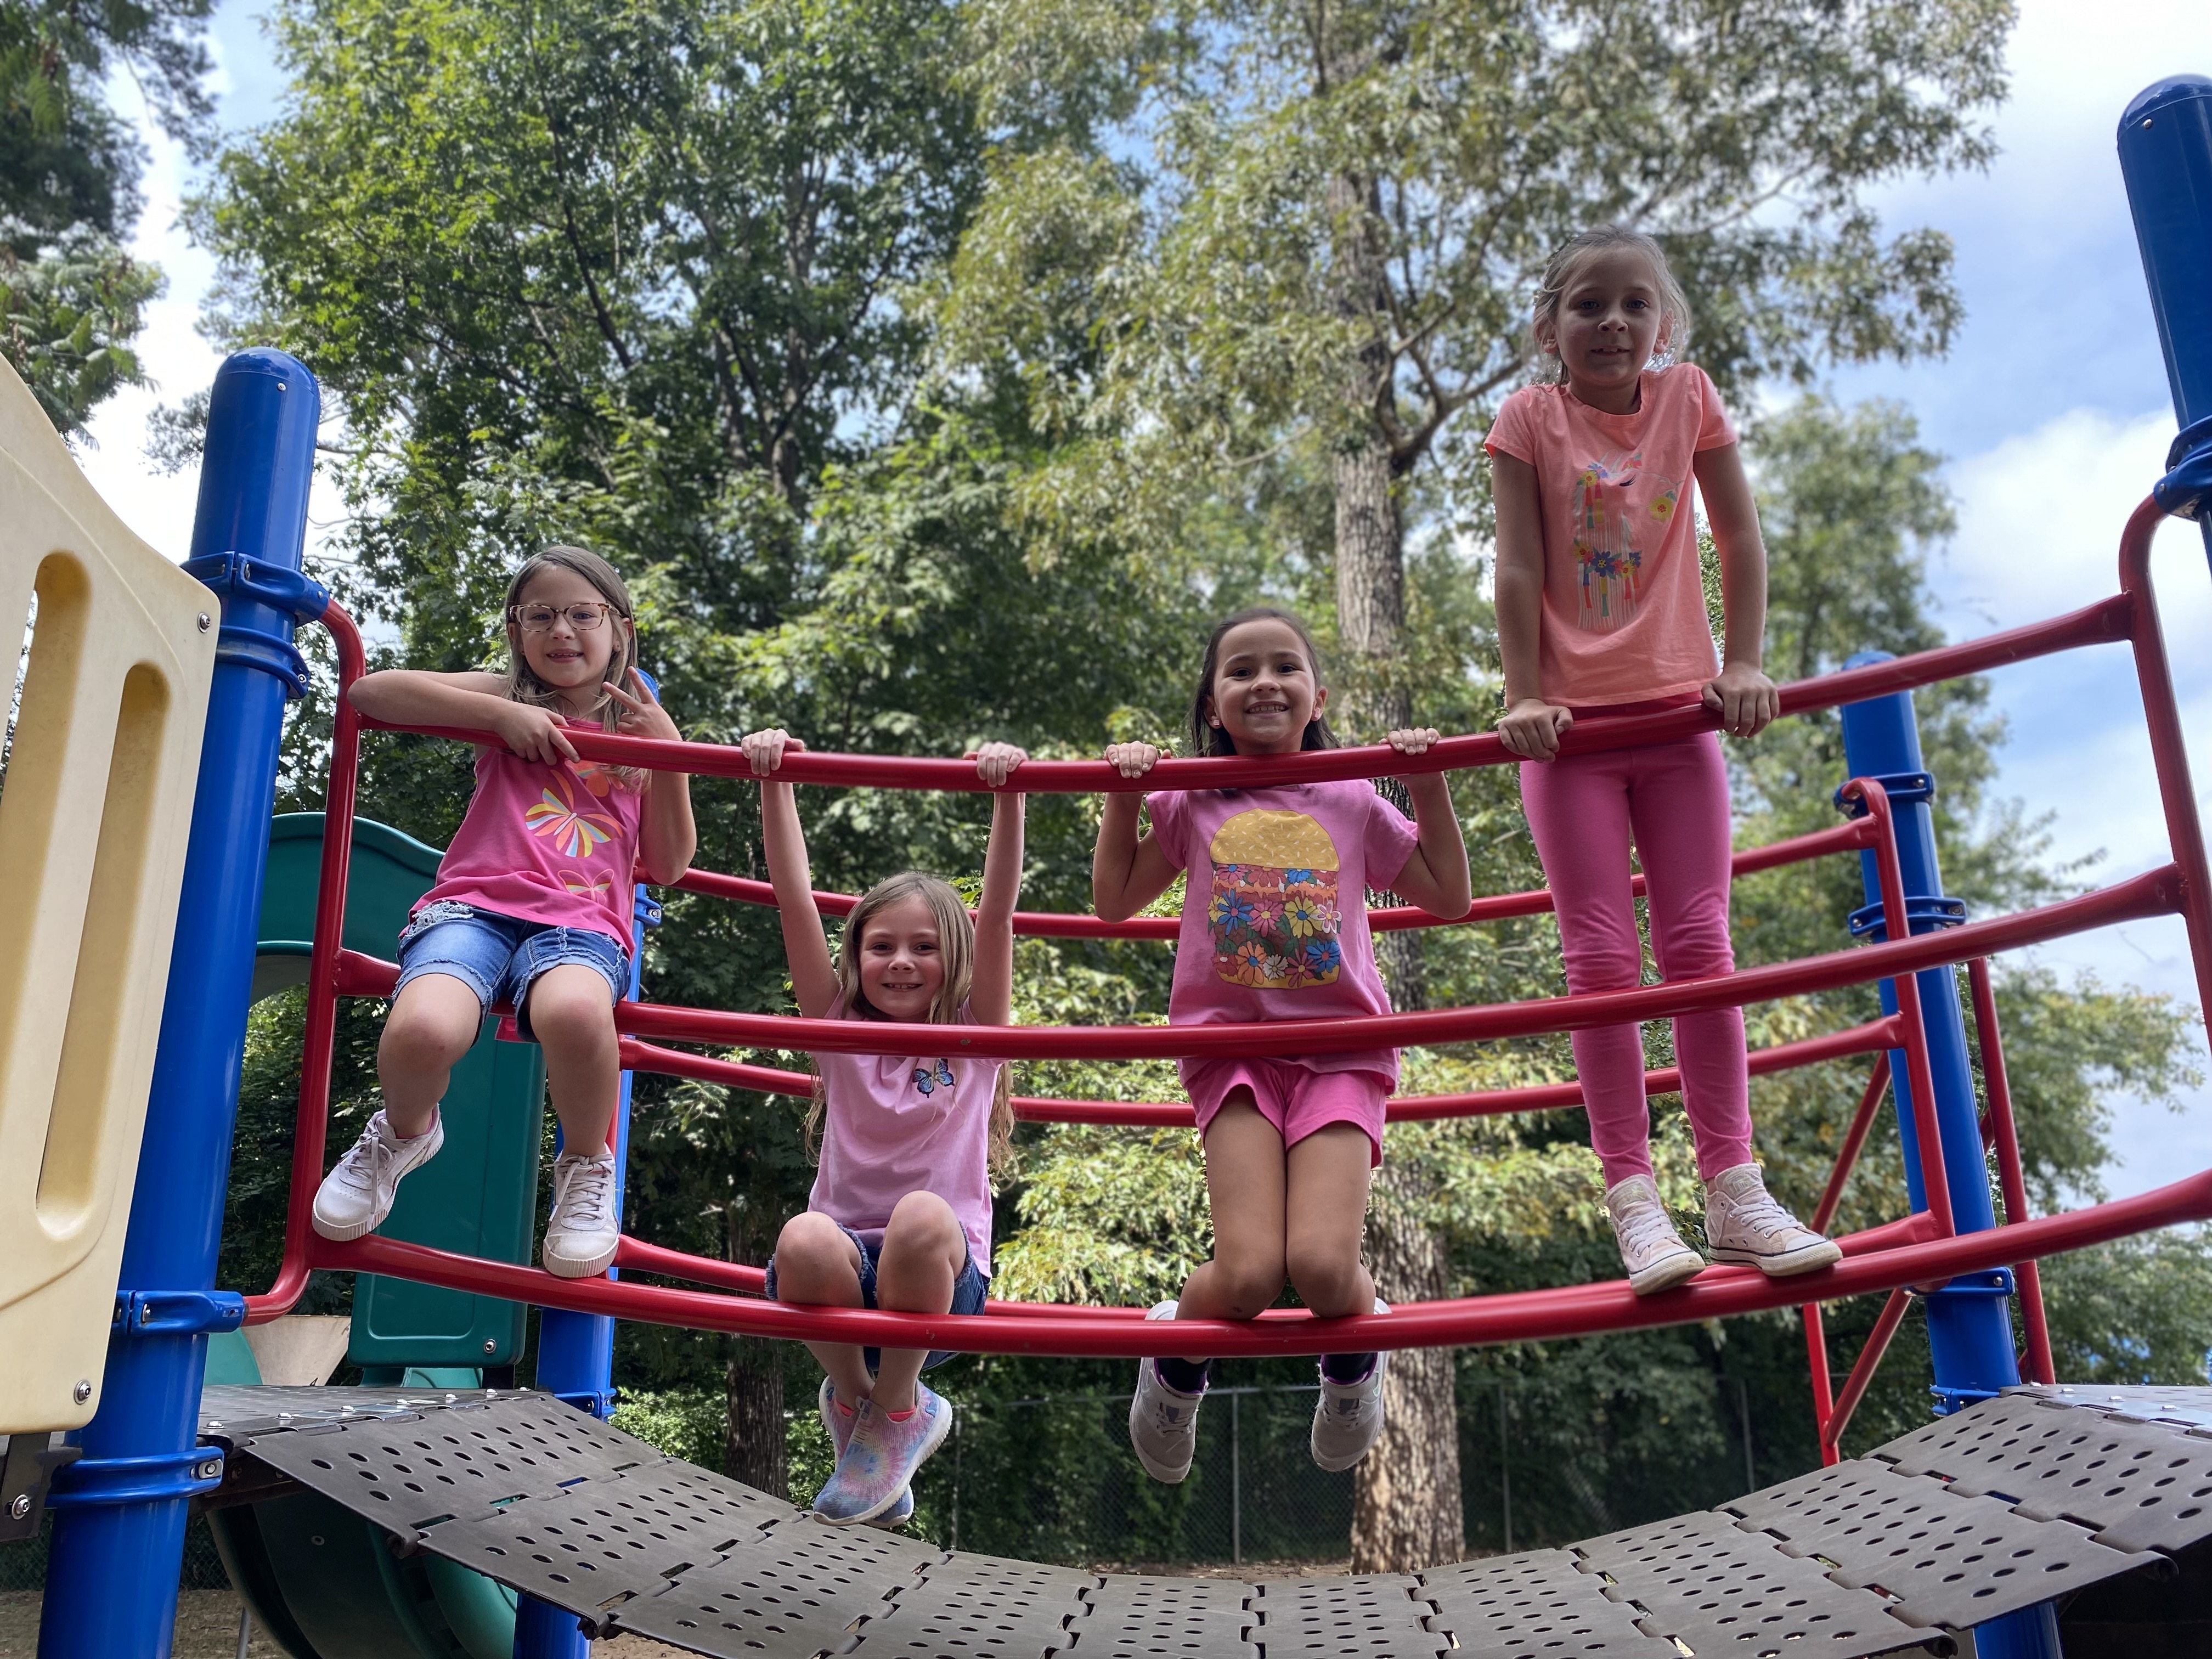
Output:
x=1672 y=799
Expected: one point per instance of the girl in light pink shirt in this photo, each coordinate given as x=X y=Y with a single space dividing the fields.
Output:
x=900 y=1216
x=1600 y=610
x=1274 y=927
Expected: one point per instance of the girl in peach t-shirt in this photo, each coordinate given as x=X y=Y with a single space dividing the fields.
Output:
x=1600 y=610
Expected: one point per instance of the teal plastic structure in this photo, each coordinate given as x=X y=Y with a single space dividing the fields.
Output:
x=479 y=1195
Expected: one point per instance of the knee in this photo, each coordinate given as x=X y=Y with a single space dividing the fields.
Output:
x=1695 y=948
x=1248 y=1282
x=924 y=1221
x=570 y=1018
x=1326 y=1281
x=810 y=1247
x=416 y=1035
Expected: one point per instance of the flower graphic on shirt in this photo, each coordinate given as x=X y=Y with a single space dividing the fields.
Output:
x=929 y=1082
x=1605 y=542
x=1322 y=958
x=1274 y=892
x=574 y=832
x=594 y=777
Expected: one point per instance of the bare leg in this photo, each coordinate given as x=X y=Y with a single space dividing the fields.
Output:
x=817 y=1265
x=1245 y=1182
x=1328 y=1176
x=571 y=1016
x=923 y=1251
x=434 y=1022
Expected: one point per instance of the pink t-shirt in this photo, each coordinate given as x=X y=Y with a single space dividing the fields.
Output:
x=1274 y=908
x=553 y=844
x=906 y=1123
x=1623 y=616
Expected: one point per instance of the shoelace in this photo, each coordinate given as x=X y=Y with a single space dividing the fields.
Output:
x=1762 y=1215
x=1647 y=1227
x=584 y=1200
x=363 y=1166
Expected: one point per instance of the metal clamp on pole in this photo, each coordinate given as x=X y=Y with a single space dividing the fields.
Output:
x=178 y=1313
x=260 y=583
x=2186 y=491
x=26 y=1473
x=92 y=1482
x=1903 y=789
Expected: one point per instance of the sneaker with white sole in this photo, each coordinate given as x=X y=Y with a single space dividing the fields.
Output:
x=1162 y=1420
x=838 y=1424
x=356 y=1195
x=875 y=1472
x=586 y=1227
x=1744 y=1223
x=1347 y=1418
x=1650 y=1248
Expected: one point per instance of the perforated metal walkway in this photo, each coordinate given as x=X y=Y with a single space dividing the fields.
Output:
x=2020 y=1498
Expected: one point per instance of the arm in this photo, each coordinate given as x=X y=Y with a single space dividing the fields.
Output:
x=1125 y=873
x=1436 y=875
x=813 y=980
x=667 y=836
x=474 y=701
x=1532 y=728
x=1744 y=697
x=991 y=991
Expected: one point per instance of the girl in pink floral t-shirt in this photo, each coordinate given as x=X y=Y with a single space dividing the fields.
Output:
x=1274 y=927
x=1600 y=610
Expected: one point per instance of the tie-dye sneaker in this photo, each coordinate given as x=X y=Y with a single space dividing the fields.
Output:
x=878 y=1462
x=839 y=1423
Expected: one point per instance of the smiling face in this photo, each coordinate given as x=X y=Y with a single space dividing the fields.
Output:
x=901 y=963
x=570 y=661
x=1611 y=320
x=1265 y=690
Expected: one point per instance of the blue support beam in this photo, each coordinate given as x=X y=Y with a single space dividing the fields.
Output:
x=120 y=1507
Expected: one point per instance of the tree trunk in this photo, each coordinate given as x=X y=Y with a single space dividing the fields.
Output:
x=753 y=1449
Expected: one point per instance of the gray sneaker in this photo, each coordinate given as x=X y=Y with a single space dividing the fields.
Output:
x=356 y=1195
x=1744 y=1223
x=587 y=1226
x=1650 y=1248
x=840 y=1429
x=1163 y=1421
x=1347 y=1418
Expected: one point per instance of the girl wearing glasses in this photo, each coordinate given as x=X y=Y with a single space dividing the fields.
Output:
x=532 y=907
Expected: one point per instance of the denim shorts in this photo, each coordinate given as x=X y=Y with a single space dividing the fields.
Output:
x=500 y=958
x=969 y=1290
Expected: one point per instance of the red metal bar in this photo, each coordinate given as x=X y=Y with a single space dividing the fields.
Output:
x=1044 y=924
x=2169 y=753
x=1521 y=1316
x=310 y=1129
x=1869 y=1361
x=1847 y=1156
x=1816 y=1360
x=2011 y=1178
x=2106 y=620
x=1876 y=1036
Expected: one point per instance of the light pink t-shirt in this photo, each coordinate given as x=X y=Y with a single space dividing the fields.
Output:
x=1274 y=908
x=899 y=1124
x=553 y=844
x=1624 y=617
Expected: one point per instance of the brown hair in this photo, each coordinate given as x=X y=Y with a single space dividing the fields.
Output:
x=956 y=934
x=1206 y=738
x=1560 y=271
x=522 y=685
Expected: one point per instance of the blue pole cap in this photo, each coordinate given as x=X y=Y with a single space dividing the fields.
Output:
x=2161 y=94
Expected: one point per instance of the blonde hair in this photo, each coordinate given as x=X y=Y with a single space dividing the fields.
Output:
x=956 y=938
x=1560 y=271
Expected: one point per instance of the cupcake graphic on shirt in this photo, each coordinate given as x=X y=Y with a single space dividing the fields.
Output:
x=1273 y=913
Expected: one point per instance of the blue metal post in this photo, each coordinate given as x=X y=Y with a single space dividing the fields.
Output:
x=2165 y=159
x=576 y=1355
x=1969 y=1320
x=121 y=1509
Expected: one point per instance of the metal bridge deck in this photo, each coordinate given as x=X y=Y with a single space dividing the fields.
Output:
x=2029 y=1496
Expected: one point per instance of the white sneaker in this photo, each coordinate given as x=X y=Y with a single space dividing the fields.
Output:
x=839 y=1427
x=1650 y=1248
x=585 y=1227
x=1744 y=1223
x=356 y=1195
x=1163 y=1421
x=1348 y=1416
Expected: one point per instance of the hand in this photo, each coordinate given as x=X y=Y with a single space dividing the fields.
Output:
x=765 y=750
x=1532 y=728
x=995 y=761
x=1745 y=699
x=642 y=716
x=533 y=734
x=1415 y=739
x=1132 y=760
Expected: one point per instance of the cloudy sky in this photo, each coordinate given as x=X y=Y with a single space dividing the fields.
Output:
x=2052 y=408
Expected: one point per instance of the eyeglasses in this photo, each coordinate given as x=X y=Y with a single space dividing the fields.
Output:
x=538 y=619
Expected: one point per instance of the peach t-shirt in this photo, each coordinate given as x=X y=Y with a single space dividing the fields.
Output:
x=1623 y=616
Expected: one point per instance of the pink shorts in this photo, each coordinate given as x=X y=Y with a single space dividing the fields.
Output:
x=1297 y=1099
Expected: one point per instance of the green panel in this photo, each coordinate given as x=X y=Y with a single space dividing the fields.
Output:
x=327 y=1561
x=478 y=1197
x=230 y=1359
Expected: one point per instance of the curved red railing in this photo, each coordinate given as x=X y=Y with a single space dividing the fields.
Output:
x=1916 y=1251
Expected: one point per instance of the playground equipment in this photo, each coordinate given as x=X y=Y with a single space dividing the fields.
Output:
x=535 y=1493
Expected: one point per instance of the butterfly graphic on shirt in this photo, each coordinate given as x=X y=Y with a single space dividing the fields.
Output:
x=575 y=831
x=930 y=1082
x=587 y=886
x=599 y=779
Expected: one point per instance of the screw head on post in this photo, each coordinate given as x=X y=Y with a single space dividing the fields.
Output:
x=491 y=1347
x=206 y=621
x=82 y=1392
x=21 y=1507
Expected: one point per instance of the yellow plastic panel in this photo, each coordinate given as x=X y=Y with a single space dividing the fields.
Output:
x=95 y=806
